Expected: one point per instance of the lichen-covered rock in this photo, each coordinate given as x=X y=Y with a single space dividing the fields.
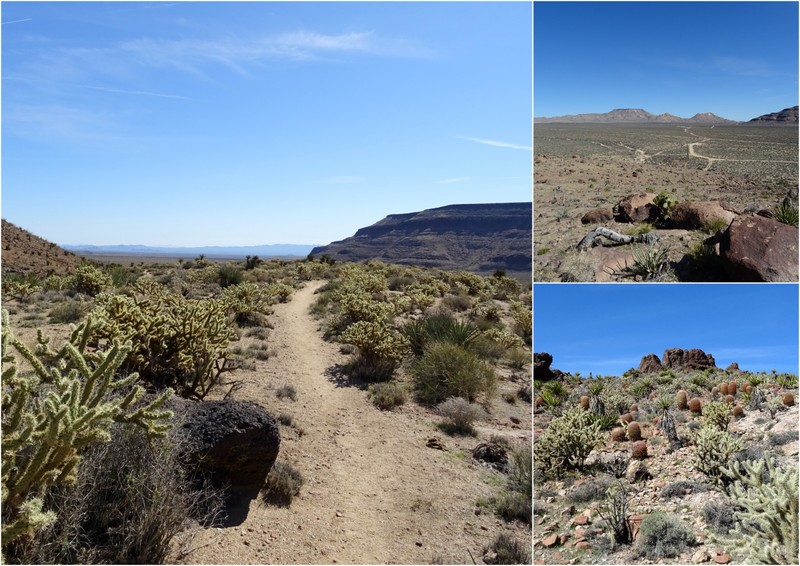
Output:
x=697 y=214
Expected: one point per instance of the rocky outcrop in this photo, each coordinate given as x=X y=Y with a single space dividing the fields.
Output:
x=492 y=455
x=698 y=214
x=634 y=116
x=637 y=208
x=650 y=364
x=755 y=248
x=481 y=238
x=733 y=368
x=676 y=358
x=541 y=366
x=233 y=443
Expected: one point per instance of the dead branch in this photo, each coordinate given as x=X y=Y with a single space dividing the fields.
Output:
x=594 y=238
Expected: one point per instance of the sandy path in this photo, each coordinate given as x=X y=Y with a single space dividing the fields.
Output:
x=374 y=492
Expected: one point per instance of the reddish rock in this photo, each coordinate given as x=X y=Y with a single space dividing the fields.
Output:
x=677 y=358
x=722 y=557
x=581 y=520
x=692 y=215
x=637 y=208
x=550 y=540
x=754 y=248
x=635 y=523
x=583 y=545
x=598 y=216
x=733 y=368
x=650 y=364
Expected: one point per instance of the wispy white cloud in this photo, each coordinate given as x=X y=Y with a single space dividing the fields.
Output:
x=134 y=92
x=497 y=143
x=18 y=21
x=452 y=180
x=240 y=54
x=742 y=66
x=343 y=180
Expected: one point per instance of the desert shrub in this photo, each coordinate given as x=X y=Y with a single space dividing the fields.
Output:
x=567 y=442
x=781 y=438
x=715 y=225
x=286 y=391
x=503 y=337
x=786 y=214
x=457 y=303
x=663 y=535
x=438 y=328
x=286 y=419
x=387 y=395
x=120 y=276
x=68 y=311
x=719 y=516
x=650 y=262
x=592 y=490
x=460 y=415
x=769 y=522
x=515 y=501
x=448 y=370
x=66 y=403
x=681 y=488
x=518 y=358
x=523 y=320
x=714 y=449
x=615 y=513
x=506 y=549
x=283 y=484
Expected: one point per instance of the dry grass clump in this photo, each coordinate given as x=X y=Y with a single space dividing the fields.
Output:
x=283 y=484
x=460 y=415
x=387 y=395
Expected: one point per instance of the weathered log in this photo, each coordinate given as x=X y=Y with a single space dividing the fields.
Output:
x=594 y=238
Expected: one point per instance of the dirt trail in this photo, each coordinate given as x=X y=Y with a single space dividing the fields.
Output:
x=373 y=493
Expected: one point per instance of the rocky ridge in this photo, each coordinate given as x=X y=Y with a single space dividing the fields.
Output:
x=785 y=116
x=634 y=116
x=480 y=238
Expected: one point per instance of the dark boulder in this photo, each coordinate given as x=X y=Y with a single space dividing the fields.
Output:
x=637 y=208
x=754 y=248
x=650 y=364
x=676 y=358
x=541 y=366
x=733 y=368
x=233 y=443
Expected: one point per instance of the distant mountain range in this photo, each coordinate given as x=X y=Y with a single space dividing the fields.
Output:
x=480 y=238
x=639 y=116
x=635 y=116
x=785 y=116
x=263 y=251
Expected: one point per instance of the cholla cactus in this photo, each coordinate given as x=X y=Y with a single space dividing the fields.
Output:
x=68 y=402
x=503 y=337
x=714 y=449
x=90 y=280
x=567 y=442
x=19 y=289
x=376 y=341
x=718 y=414
x=769 y=495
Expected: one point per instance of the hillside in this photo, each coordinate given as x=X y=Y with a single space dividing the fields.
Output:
x=472 y=237
x=25 y=253
x=635 y=116
x=785 y=116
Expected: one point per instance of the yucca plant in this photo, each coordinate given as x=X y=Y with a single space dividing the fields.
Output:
x=786 y=214
x=650 y=262
x=439 y=328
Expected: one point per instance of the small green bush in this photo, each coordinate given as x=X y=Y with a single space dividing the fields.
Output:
x=438 y=328
x=387 y=395
x=663 y=535
x=228 y=275
x=90 y=281
x=786 y=214
x=448 y=370
x=592 y=490
x=719 y=516
x=67 y=312
x=286 y=391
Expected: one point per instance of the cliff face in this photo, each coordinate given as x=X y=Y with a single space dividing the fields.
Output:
x=473 y=237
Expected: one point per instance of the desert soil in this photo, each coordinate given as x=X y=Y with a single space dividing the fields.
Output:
x=577 y=169
x=374 y=492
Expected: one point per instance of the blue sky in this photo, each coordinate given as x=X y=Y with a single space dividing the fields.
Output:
x=221 y=123
x=736 y=59
x=606 y=329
